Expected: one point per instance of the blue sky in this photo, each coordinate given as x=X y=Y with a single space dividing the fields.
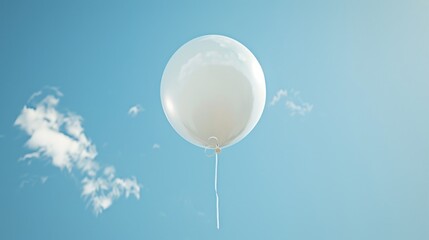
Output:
x=354 y=165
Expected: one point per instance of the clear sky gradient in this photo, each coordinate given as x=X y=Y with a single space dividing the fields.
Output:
x=352 y=164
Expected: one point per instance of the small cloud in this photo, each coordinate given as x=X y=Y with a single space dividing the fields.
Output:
x=61 y=139
x=2 y=136
x=293 y=102
x=156 y=146
x=280 y=93
x=300 y=109
x=135 y=110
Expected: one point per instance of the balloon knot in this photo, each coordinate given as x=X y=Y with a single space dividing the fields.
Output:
x=218 y=150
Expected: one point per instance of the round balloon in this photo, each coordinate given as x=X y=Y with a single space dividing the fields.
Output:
x=213 y=91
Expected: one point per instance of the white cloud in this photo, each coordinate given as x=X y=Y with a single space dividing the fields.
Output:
x=135 y=110
x=56 y=136
x=60 y=138
x=156 y=146
x=101 y=191
x=280 y=93
x=293 y=102
x=300 y=109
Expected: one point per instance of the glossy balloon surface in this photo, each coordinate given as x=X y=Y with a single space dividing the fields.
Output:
x=213 y=86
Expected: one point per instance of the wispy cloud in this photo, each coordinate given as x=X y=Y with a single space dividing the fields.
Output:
x=30 y=156
x=102 y=190
x=135 y=110
x=300 y=109
x=156 y=146
x=32 y=180
x=34 y=95
x=280 y=93
x=60 y=138
x=55 y=90
x=293 y=102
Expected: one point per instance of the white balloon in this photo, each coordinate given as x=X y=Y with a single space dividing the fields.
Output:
x=213 y=86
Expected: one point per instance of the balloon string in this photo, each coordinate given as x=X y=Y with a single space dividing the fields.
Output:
x=217 y=150
x=217 y=196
